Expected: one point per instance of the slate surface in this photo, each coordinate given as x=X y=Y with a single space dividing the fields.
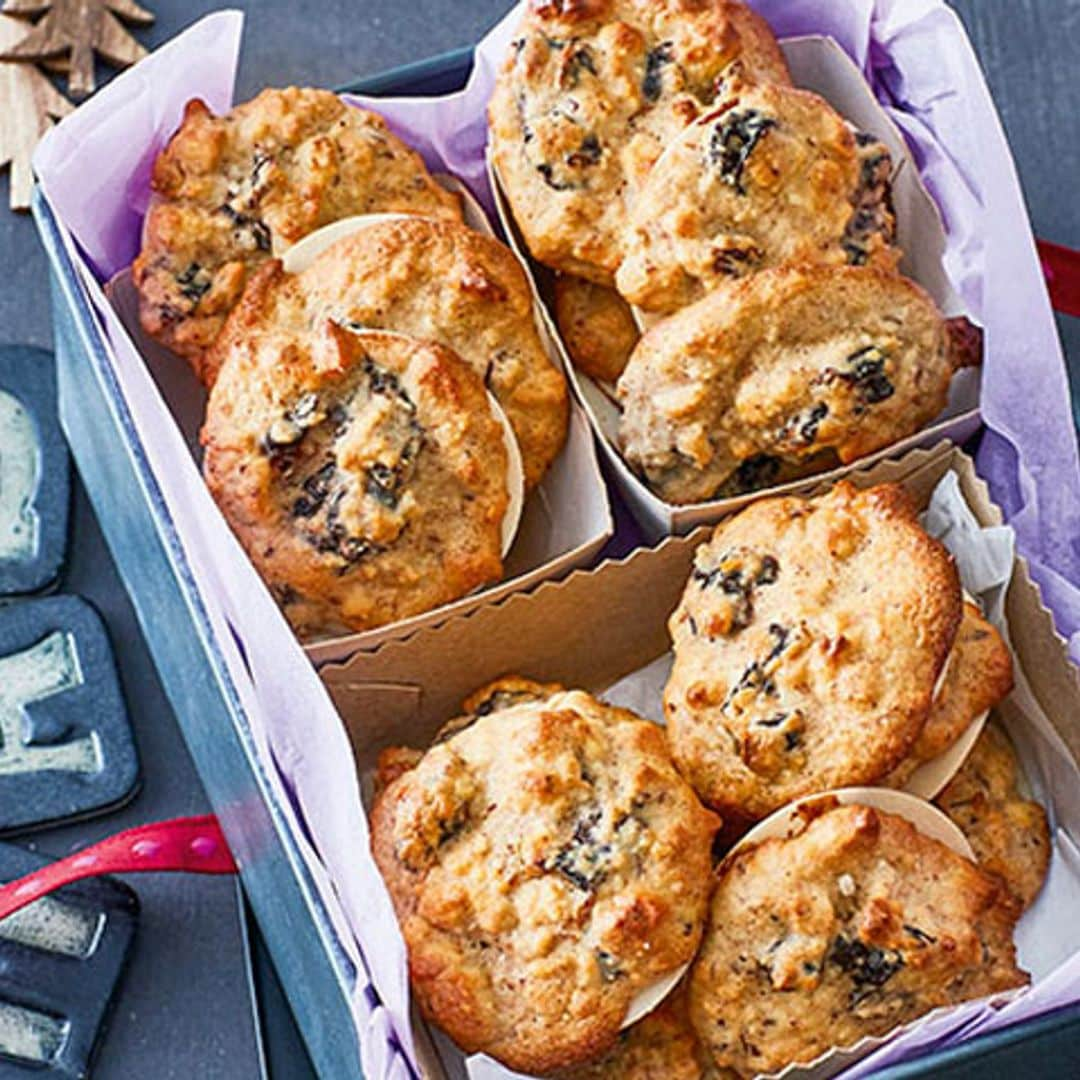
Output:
x=163 y=1028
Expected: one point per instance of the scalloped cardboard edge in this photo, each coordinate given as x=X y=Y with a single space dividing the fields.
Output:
x=595 y=626
x=820 y=65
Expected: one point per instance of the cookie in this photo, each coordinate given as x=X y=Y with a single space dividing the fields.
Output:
x=547 y=864
x=660 y=1046
x=771 y=175
x=858 y=924
x=365 y=474
x=807 y=645
x=590 y=93
x=781 y=370
x=233 y=190
x=434 y=280
x=978 y=674
x=1008 y=833
x=596 y=325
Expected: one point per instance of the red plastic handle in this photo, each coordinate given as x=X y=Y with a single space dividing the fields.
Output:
x=1061 y=265
x=195 y=845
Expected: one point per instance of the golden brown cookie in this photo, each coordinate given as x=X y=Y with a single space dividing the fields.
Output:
x=233 y=190
x=806 y=648
x=858 y=924
x=547 y=864
x=978 y=674
x=596 y=325
x=778 y=370
x=365 y=474
x=770 y=175
x=588 y=96
x=1008 y=833
x=433 y=280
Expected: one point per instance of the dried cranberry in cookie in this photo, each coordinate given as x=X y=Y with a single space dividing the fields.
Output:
x=807 y=646
x=590 y=93
x=233 y=190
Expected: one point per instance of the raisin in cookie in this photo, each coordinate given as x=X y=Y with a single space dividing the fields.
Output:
x=858 y=924
x=779 y=370
x=231 y=190
x=590 y=93
x=807 y=645
x=434 y=280
x=547 y=864
x=1008 y=833
x=772 y=175
x=596 y=325
x=365 y=474
x=978 y=674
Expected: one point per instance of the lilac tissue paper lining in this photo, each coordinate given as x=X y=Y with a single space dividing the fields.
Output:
x=94 y=168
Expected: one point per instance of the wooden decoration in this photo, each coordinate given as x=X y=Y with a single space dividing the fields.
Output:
x=28 y=105
x=74 y=30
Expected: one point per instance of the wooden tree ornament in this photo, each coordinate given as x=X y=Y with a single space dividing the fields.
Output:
x=74 y=30
x=28 y=105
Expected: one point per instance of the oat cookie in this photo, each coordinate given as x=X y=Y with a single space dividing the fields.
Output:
x=1008 y=833
x=438 y=281
x=232 y=190
x=978 y=675
x=596 y=325
x=855 y=926
x=547 y=864
x=365 y=474
x=807 y=645
x=771 y=175
x=590 y=93
x=782 y=370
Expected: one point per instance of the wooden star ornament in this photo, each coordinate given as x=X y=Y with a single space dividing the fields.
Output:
x=29 y=104
x=73 y=31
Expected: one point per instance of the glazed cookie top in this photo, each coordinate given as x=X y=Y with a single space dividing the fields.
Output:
x=433 y=280
x=770 y=175
x=596 y=325
x=787 y=367
x=853 y=927
x=1008 y=832
x=590 y=93
x=233 y=190
x=547 y=864
x=365 y=474
x=807 y=646
x=978 y=675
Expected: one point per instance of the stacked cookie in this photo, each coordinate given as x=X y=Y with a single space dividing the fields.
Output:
x=374 y=408
x=551 y=860
x=657 y=155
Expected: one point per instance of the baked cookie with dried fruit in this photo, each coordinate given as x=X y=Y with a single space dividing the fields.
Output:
x=590 y=93
x=770 y=175
x=433 y=280
x=596 y=325
x=547 y=865
x=1008 y=832
x=365 y=474
x=787 y=370
x=807 y=646
x=856 y=925
x=231 y=191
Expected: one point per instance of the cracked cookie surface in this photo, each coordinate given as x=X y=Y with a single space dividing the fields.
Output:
x=233 y=190
x=589 y=94
x=807 y=645
x=365 y=474
x=547 y=864
x=858 y=924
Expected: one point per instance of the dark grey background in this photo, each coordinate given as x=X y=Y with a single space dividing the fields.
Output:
x=185 y=1010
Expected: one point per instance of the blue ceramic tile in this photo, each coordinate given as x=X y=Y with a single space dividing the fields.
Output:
x=35 y=473
x=66 y=746
x=61 y=960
